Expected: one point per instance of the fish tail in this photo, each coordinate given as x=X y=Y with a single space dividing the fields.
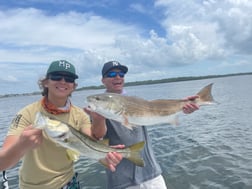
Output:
x=205 y=95
x=135 y=155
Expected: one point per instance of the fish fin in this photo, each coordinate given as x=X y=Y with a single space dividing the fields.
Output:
x=104 y=162
x=126 y=122
x=72 y=154
x=129 y=126
x=205 y=95
x=135 y=156
x=175 y=120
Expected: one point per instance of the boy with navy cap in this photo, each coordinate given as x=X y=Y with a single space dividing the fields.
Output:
x=113 y=65
x=128 y=175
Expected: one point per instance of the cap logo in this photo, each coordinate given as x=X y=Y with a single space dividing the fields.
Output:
x=64 y=64
x=115 y=63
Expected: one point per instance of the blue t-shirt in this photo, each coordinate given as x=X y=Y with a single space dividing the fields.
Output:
x=127 y=173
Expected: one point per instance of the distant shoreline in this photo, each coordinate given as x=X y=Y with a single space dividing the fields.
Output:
x=136 y=83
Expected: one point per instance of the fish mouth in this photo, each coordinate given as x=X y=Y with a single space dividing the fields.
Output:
x=61 y=135
x=91 y=107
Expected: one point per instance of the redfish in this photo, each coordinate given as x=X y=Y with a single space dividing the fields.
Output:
x=133 y=111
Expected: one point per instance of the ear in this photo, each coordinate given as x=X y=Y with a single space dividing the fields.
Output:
x=45 y=83
x=102 y=80
x=75 y=86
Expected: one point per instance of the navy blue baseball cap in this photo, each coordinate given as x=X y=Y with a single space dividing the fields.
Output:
x=113 y=65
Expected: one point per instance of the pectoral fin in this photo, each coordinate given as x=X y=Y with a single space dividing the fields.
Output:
x=126 y=122
x=72 y=154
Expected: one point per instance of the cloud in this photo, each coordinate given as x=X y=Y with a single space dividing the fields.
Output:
x=212 y=27
x=31 y=26
x=198 y=37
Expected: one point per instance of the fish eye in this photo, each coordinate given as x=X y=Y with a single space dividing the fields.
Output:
x=97 y=98
x=62 y=135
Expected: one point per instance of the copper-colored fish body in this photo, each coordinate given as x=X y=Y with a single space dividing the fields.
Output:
x=133 y=111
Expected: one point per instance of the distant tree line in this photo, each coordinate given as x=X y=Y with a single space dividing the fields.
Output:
x=168 y=80
x=146 y=82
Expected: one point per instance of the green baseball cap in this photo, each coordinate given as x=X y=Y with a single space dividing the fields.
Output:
x=62 y=66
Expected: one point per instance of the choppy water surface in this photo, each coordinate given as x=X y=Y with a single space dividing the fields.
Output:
x=211 y=148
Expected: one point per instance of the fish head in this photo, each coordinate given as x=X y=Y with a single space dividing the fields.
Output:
x=105 y=104
x=57 y=130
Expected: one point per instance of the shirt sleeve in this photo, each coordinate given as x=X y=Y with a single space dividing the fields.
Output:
x=19 y=122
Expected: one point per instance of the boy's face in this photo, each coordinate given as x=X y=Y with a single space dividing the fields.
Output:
x=114 y=81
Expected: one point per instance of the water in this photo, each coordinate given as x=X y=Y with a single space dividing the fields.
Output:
x=211 y=148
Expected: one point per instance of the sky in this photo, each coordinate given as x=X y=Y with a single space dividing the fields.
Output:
x=155 y=39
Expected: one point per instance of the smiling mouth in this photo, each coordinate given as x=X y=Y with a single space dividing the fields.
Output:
x=61 y=88
x=118 y=83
